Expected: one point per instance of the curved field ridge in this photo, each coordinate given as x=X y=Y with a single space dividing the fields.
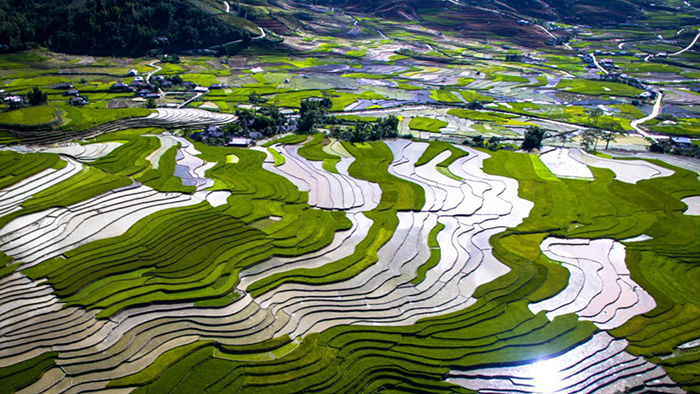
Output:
x=693 y=204
x=13 y=196
x=190 y=168
x=327 y=190
x=34 y=321
x=87 y=152
x=165 y=143
x=563 y=165
x=36 y=237
x=630 y=171
x=343 y=245
x=471 y=211
x=600 y=288
x=475 y=210
x=599 y=365
x=167 y=117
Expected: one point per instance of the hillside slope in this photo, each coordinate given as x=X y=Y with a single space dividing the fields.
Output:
x=588 y=11
x=127 y=26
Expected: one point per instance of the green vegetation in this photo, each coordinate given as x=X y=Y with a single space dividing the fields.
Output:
x=279 y=159
x=597 y=88
x=427 y=124
x=193 y=253
x=434 y=255
x=292 y=139
x=371 y=164
x=84 y=118
x=16 y=166
x=88 y=183
x=483 y=116
x=437 y=147
x=92 y=26
x=446 y=96
x=29 y=116
x=313 y=150
x=7 y=138
x=20 y=375
x=162 y=179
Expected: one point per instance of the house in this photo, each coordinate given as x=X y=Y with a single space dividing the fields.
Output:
x=119 y=86
x=647 y=95
x=682 y=141
x=201 y=89
x=137 y=84
x=189 y=84
x=256 y=135
x=71 y=92
x=132 y=73
x=78 y=101
x=64 y=86
x=214 y=131
x=239 y=141
x=152 y=95
x=144 y=92
x=607 y=63
x=13 y=99
x=215 y=86
x=167 y=84
x=162 y=40
x=159 y=78
x=138 y=79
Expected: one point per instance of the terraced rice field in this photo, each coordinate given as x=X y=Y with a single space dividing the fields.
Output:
x=145 y=262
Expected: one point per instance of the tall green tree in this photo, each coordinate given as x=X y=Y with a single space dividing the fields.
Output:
x=36 y=97
x=533 y=138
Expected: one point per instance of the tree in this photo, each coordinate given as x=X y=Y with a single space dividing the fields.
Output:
x=657 y=148
x=593 y=115
x=151 y=103
x=254 y=97
x=312 y=112
x=533 y=138
x=610 y=135
x=36 y=96
x=590 y=137
x=563 y=137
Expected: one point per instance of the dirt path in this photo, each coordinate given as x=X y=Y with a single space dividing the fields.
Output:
x=654 y=113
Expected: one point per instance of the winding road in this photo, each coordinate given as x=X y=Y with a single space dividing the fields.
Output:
x=554 y=37
x=595 y=61
x=654 y=113
x=157 y=68
x=688 y=47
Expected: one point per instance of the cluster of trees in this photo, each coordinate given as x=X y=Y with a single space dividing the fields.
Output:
x=590 y=137
x=268 y=121
x=492 y=143
x=668 y=146
x=312 y=114
x=125 y=26
x=616 y=77
x=387 y=127
x=533 y=138
x=36 y=97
